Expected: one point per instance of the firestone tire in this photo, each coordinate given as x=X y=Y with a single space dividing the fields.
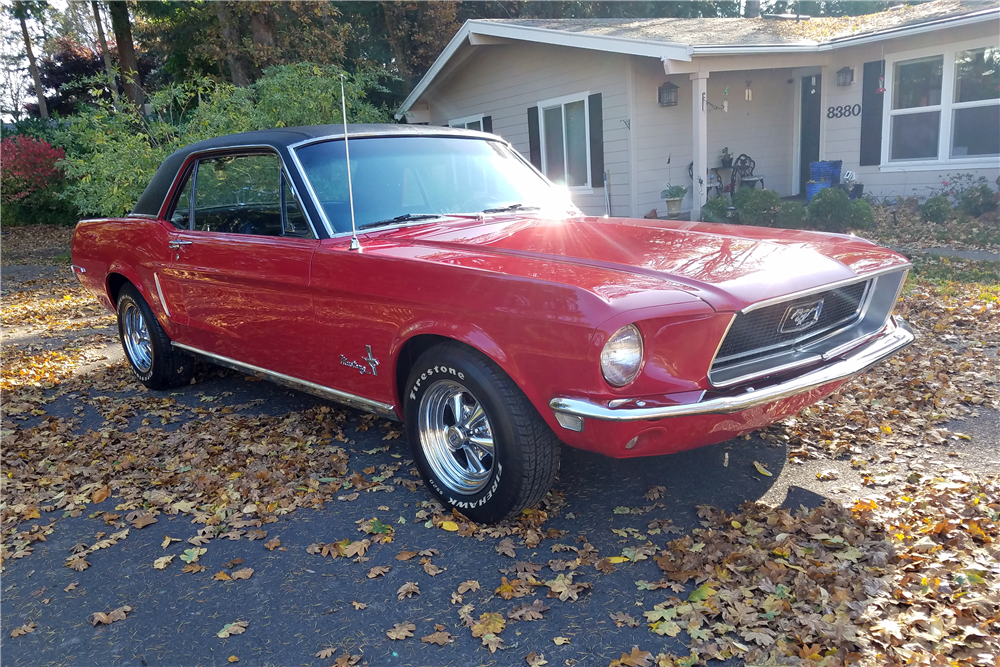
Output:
x=477 y=441
x=153 y=359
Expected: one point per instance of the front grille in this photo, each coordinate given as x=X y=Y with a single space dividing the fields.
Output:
x=757 y=333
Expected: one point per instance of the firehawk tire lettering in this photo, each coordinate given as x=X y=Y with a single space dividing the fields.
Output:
x=525 y=451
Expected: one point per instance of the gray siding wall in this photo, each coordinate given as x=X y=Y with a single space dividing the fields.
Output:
x=504 y=81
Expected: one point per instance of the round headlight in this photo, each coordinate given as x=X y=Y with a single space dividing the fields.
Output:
x=621 y=357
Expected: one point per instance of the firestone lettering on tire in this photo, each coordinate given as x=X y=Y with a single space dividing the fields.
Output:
x=440 y=370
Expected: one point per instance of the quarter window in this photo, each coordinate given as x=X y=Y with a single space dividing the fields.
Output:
x=565 y=149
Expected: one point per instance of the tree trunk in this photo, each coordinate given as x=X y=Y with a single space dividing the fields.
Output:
x=126 y=50
x=43 y=109
x=108 y=67
x=398 y=35
x=751 y=9
x=238 y=70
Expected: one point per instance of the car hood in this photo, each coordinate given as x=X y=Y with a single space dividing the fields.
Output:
x=727 y=266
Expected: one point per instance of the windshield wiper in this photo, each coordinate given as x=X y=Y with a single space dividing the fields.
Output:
x=406 y=217
x=512 y=207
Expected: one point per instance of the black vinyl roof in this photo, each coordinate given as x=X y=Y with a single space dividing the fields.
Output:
x=279 y=139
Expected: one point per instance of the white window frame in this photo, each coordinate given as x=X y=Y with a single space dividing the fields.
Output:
x=462 y=122
x=562 y=102
x=946 y=108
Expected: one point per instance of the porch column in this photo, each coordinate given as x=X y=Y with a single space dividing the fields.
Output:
x=699 y=135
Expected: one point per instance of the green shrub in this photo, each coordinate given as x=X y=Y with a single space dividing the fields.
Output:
x=977 y=200
x=862 y=215
x=714 y=210
x=120 y=151
x=936 y=209
x=792 y=215
x=757 y=206
x=830 y=210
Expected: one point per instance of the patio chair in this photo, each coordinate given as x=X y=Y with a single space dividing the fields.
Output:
x=743 y=174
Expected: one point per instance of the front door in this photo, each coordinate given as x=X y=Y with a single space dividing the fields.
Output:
x=809 y=138
x=241 y=269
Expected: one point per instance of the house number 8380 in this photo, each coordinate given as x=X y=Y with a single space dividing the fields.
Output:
x=843 y=112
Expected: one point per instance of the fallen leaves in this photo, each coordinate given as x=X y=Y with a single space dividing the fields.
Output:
x=273 y=544
x=106 y=618
x=378 y=571
x=489 y=623
x=192 y=555
x=230 y=629
x=163 y=562
x=409 y=589
x=400 y=631
x=560 y=641
x=25 y=629
x=636 y=658
x=528 y=612
x=440 y=637
x=143 y=520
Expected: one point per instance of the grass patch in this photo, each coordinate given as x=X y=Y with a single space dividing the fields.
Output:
x=941 y=270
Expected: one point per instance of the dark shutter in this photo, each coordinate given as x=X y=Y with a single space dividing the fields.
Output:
x=534 y=143
x=596 y=141
x=488 y=124
x=871 y=114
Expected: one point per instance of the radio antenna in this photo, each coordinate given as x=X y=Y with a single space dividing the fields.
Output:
x=355 y=243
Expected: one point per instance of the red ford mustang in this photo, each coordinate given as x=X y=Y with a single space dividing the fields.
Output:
x=476 y=304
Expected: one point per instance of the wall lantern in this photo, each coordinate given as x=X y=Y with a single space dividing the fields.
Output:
x=845 y=76
x=666 y=95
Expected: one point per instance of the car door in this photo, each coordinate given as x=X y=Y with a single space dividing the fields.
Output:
x=239 y=273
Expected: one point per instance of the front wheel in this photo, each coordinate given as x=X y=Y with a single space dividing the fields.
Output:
x=476 y=439
x=147 y=347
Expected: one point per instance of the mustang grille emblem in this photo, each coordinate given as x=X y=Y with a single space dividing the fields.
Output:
x=801 y=316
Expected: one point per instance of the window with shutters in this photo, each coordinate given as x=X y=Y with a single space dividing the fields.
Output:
x=564 y=131
x=944 y=107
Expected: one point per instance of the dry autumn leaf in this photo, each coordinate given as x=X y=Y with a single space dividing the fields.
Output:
x=192 y=555
x=405 y=555
x=100 y=495
x=325 y=653
x=492 y=642
x=528 y=612
x=347 y=660
x=357 y=548
x=360 y=605
x=409 y=589
x=230 y=629
x=243 y=573
x=509 y=590
x=71 y=586
x=560 y=641
x=378 y=571
x=25 y=629
x=506 y=547
x=167 y=540
x=441 y=637
x=433 y=570
x=489 y=623
x=106 y=618
x=636 y=658
x=536 y=659
x=222 y=576
x=233 y=658
x=143 y=521
x=191 y=568
x=273 y=544
x=450 y=526
x=77 y=564
x=163 y=562
x=401 y=631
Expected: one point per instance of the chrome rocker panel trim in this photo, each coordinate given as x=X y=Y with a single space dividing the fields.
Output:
x=350 y=400
x=896 y=335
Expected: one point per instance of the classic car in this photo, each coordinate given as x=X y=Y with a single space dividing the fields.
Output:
x=432 y=275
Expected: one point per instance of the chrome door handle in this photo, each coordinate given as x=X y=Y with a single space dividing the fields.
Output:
x=177 y=244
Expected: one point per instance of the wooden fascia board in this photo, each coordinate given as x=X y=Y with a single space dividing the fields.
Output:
x=622 y=45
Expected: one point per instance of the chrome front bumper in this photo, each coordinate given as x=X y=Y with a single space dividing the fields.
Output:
x=894 y=337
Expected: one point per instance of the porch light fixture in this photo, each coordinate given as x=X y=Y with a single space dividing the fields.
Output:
x=666 y=95
x=845 y=76
x=748 y=95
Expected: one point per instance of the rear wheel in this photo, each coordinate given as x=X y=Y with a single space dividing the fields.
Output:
x=476 y=439
x=155 y=362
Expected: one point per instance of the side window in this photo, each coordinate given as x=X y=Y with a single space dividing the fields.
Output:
x=182 y=210
x=295 y=223
x=238 y=194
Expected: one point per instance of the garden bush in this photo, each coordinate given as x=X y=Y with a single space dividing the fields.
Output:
x=714 y=210
x=32 y=183
x=862 y=215
x=792 y=215
x=936 y=209
x=120 y=151
x=977 y=200
x=831 y=211
x=757 y=206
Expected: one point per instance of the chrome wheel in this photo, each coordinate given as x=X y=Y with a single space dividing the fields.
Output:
x=136 y=337
x=456 y=437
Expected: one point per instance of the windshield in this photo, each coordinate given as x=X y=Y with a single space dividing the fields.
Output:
x=401 y=179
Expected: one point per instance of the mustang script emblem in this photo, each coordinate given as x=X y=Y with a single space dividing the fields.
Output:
x=801 y=316
x=370 y=358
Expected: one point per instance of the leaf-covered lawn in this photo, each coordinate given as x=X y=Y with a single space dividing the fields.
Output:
x=907 y=572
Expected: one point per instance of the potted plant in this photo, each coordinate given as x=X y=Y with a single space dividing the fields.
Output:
x=727 y=158
x=673 y=194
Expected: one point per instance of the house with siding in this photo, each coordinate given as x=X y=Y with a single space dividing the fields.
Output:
x=617 y=109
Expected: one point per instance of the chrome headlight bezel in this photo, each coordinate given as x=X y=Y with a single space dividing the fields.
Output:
x=622 y=356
